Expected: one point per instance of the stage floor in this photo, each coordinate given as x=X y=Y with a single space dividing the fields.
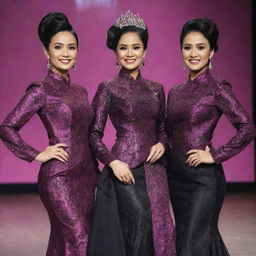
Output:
x=24 y=225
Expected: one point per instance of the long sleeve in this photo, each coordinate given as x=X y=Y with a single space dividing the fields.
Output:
x=162 y=137
x=168 y=122
x=100 y=104
x=228 y=104
x=31 y=102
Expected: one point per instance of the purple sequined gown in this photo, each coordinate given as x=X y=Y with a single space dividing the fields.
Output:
x=66 y=189
x=136 y=109
x=193 y=111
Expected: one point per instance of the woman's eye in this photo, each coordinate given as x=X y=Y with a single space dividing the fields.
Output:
x=57 y=47
x=72 y=47
x=122 y=48
x=136 y=47
x=201 y=47
x=186 y=48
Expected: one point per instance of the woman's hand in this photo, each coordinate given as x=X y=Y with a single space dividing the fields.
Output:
x=54 y=151
x=122 y=171
x=156 y=152
x=197 y=157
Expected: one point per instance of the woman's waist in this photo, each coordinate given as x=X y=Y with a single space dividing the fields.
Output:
x=135 y=137
x=72 y=142
x=133 y=161
x=133 y=155
x=136 y=131
x=133 y=144
x=184 y=143
x=71 y=167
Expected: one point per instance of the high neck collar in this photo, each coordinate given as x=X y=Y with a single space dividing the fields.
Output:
x=202 y=78
x=57 y=77
x=124 y=75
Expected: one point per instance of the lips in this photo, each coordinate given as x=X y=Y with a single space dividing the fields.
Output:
x=194 y=61
x=65 y=61
x=130 y=61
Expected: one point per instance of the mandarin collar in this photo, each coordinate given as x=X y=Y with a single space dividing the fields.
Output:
x=202 y=78
x=124 y=75
x=53 y=76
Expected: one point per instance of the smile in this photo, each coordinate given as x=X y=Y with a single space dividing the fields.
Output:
x=130 y=61
x=65 y=61
x=194 y=62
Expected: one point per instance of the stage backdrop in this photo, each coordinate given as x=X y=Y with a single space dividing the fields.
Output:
x=23 y=61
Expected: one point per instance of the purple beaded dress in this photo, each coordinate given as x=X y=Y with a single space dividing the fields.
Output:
x=66 y=189
x=193 y=111
x=136 y=108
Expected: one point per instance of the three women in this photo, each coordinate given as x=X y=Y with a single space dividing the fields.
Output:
x=136 y=107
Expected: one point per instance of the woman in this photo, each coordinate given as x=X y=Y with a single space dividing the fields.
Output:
x=136 y=108
x=196 y=179
x=68 y=174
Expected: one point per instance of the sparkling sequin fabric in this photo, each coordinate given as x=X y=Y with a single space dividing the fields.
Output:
x=66 y=189
x=193 y=111
x=136 y=109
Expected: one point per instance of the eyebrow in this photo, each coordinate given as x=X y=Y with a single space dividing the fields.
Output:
x=196 y=44
x=132 y=44
x=63 y=44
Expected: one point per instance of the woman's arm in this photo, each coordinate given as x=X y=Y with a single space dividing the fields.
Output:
x=100 y=104
x=31 y=102
x=158 y=149
x=228 y=104
x=161 y=129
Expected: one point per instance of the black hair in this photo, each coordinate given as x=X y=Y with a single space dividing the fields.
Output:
x=115 y=33
x=51 y=24
x=205 y=26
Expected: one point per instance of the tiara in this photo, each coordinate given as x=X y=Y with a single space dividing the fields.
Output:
x=130 y=19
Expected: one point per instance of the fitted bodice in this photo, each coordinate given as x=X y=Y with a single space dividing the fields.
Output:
x=66 y=114
x=193 y=111
x=136 y=109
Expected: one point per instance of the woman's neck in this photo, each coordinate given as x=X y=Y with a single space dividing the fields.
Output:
x=63 y=73
x=133 y=73
x=194 y=75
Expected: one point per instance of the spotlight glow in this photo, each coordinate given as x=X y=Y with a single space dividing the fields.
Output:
x=86 y=4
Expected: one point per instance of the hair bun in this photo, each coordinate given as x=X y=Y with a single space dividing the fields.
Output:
x=205 y=26
x=114 y=34
x=51 y=24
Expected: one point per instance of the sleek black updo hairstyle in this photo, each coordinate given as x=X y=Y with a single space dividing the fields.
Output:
x=115 y=33
x=51 y=24
x=205 y=26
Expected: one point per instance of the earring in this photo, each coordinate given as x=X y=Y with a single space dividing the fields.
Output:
x=142 y=64
x=210 y=65
x=48 y=64
x=117 y=65
x=74 y=67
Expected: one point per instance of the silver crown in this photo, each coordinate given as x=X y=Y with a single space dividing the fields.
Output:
x=130 y=19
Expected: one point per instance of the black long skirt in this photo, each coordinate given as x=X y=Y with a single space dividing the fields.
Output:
x=122 y=224
x=197 y=195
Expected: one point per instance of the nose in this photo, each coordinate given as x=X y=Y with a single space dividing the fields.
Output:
x=65 y=52
x=193 y=52
x=129 y=52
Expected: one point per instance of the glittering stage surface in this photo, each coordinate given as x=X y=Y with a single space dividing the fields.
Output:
x=24 y=225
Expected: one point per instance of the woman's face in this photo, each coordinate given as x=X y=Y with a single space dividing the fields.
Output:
x=130 y=51
x=196 y=51
x=62 y=51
